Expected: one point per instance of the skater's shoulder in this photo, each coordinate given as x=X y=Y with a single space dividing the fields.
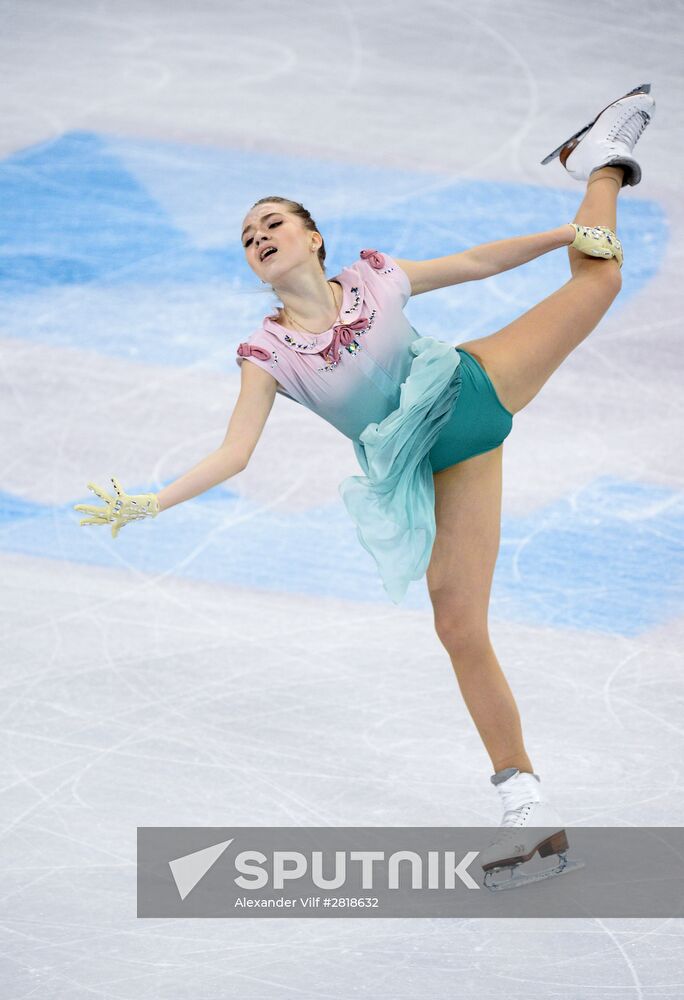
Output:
x=383 y=271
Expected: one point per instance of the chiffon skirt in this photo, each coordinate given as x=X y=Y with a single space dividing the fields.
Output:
x=393 y=504
x=448 y=411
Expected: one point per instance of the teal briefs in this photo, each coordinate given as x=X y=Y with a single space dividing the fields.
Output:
x=479 y=421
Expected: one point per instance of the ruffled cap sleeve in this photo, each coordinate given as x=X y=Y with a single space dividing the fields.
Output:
x=388 y=274
x=247 y=350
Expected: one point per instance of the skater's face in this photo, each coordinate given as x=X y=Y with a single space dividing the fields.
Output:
x=269 y=225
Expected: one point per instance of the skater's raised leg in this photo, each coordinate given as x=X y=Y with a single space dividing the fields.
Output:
x=522 y=356
x=598 y=208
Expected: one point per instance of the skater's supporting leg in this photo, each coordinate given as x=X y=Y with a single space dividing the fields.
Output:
x=459 y=578
x=521 y=357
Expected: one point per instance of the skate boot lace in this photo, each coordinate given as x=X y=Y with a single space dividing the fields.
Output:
x=517 y=817
x=629 y=129
x=512 y=819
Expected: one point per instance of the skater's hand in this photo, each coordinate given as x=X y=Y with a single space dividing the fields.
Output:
x=597 y=241
x=120 y=508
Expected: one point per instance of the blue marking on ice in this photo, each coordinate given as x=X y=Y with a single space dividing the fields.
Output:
x=131 y=246
x=610 y=560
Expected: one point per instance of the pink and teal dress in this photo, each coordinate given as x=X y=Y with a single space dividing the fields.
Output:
x=387 y=389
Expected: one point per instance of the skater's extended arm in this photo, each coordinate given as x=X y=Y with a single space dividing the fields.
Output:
x=247 y=421
x=254 y=403
x=484 y=260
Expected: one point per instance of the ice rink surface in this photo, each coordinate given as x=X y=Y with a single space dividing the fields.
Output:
x=236 y=662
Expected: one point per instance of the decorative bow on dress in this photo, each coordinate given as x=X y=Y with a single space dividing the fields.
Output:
x=246 y=350
x=374 y=258
x=343 y=334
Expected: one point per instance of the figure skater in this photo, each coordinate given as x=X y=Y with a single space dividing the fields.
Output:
x=427 y=421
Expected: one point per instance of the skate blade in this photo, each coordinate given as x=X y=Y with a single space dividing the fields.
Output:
x=645 y=88
x=516 y=881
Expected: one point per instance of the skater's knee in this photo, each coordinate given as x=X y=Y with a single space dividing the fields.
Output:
x=464 y=634
x=612 y=277
x=605 y=275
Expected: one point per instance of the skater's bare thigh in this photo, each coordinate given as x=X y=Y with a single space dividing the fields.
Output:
x=468 y=517
x=520 y=357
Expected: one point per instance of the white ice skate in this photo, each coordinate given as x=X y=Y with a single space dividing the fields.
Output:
x=609 y=140
x=530 y=824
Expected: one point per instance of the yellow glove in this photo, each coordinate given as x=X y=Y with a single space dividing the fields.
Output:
x=597 y=241
x=119 y=509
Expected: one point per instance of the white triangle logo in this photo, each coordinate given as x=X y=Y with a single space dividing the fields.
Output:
x=188 y=870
